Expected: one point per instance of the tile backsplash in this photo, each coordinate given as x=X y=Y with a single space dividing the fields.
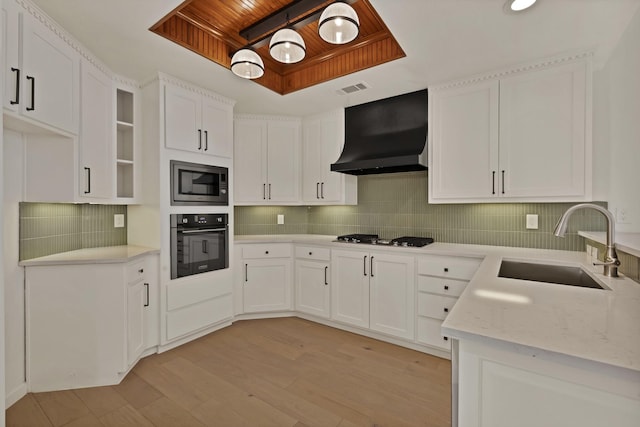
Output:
x=393 y=205
x=49 y=228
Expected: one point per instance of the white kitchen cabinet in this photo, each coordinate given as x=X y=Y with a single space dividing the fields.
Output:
x=86 y=323
x=521 y=135
x=267 y=278
x=502 y=386
x=374 y=290
x=266 y=160
x=50 y=77
x=12 y=72
x=441 y=280
x=322 y=142
x=128 y=153
x=312 y=274
x=96 y=156
x=197 y=122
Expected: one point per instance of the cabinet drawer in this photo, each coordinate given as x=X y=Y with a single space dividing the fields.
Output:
x=429 y=333
x=440 y=285
x=436 y=306
x=450 y=267
x=310 y=252
x=266 y=251
x=136 y=270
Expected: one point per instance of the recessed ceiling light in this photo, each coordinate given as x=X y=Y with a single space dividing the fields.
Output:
x=518 y=5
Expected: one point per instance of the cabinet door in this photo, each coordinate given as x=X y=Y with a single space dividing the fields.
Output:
x=542 y=132
x=283 y=161
x=152 y=308
x=350 y=283
x=250 y=166
x=136 y=300
x=332 y=186
x=182 y=119
x=51 y=77
x=10 y=52
x=97 y=161
x=267 y=285
x=217 y=128
x=392 y=287
x=312 y=288
x=312 y=160
x=464 y=142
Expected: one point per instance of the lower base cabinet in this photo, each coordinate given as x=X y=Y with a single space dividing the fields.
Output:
x=374 y=290
x=312 y=273
x=267 y=272
x=85 y=323
x=507 y=385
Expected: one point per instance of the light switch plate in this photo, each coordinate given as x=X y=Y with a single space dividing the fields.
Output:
x=532 y=222
x=118 y=220
x=280 y=219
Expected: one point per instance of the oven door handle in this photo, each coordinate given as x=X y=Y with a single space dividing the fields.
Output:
x=204 y=230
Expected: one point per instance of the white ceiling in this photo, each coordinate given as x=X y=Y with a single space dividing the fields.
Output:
x=443 y=40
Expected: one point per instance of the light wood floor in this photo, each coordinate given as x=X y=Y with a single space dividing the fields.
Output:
x=260 y=373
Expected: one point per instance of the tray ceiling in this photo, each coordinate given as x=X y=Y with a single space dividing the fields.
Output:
x=212 y=28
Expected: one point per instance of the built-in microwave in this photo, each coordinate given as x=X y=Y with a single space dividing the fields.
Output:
x=197 y=184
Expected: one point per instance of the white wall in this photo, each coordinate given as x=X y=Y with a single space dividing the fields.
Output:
x=12 y=153
x=620 y=127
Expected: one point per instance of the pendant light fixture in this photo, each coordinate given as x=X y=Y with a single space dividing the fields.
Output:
x=339 y=24
x=247 y=64
x=287 y=46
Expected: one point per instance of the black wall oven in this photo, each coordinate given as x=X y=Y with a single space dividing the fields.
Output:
x=197 y=184
x=199 y=243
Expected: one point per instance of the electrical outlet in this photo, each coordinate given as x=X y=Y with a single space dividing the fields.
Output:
x=280 y=219
x=622 y=216
x=532 y=222
x=118 y=220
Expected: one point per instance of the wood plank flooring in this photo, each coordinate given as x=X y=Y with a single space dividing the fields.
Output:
x=261 y=373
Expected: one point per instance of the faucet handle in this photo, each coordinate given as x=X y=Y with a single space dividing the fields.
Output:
x=615 y=262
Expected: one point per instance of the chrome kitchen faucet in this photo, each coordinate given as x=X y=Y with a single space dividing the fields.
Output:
x=611 y=261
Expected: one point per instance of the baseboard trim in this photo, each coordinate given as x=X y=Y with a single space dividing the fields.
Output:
x=15 y=395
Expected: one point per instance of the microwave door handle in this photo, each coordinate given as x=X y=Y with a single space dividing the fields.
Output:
x=204 y=230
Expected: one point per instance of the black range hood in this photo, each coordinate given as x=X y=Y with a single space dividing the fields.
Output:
x=384 y=136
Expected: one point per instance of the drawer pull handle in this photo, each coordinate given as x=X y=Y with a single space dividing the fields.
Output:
x=17 y=100
x=364 y=265
x=325 y=275
x=446 y=310
x=445 y=338
x=446 y=288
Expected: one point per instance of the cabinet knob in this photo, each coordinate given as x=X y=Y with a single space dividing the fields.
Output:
x=266 y=252
x=141 y=271
x=446 y=269
x=446 y=310
x=445 y=338
x=446 y=288
x=310 y=253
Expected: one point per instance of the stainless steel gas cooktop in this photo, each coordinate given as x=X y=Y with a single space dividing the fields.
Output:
x=373 y=239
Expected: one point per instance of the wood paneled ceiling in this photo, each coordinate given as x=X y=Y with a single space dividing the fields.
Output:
x=212 y=28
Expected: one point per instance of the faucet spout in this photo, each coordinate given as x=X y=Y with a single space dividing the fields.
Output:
x=611 y=261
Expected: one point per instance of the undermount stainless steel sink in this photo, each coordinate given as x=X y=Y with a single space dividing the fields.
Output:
x=556 y=274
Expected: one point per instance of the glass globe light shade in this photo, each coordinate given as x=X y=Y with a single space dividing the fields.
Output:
x=287 y=46
x=339 y=24
x=247 y=64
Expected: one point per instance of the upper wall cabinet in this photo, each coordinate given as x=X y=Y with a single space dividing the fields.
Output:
x=516 y=136
x=96 y=134
x=42 y=71
x=266 y=160
x=322 y=142
x=197 y=122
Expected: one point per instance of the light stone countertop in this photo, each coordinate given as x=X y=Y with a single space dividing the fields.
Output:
x=593 y=325
x=626 y=242
x=105 y=255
